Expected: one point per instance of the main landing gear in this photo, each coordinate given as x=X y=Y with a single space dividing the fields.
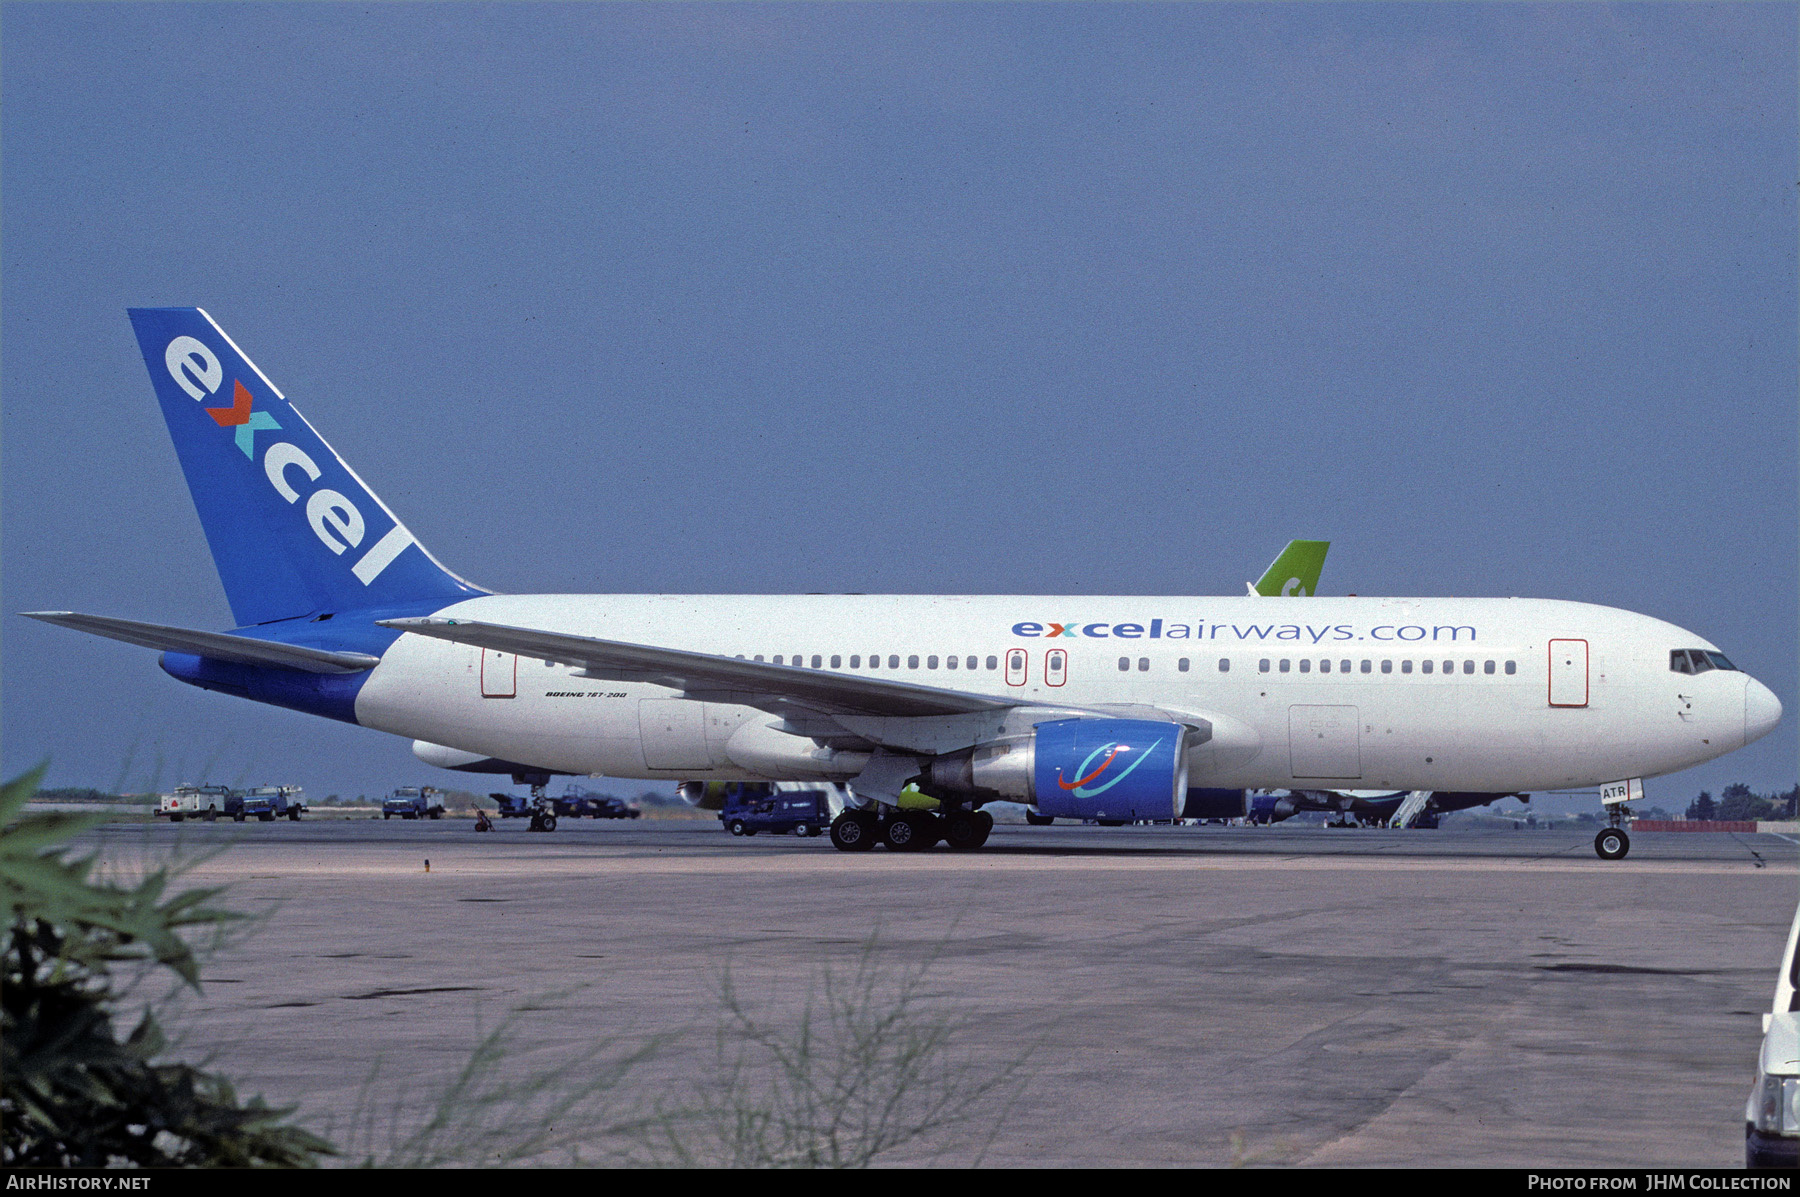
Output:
x=910 y=830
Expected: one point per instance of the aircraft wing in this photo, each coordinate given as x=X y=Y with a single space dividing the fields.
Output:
x=219 y=646
x=707 y=676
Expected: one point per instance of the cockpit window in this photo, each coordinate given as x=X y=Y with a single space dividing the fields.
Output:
x=1697 y=660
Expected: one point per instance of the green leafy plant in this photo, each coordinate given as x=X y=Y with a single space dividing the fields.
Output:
x=871 y=1067
x=490 y=1113
x=72 y=1091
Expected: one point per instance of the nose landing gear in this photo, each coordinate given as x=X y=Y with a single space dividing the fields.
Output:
x=543 y=816
x=1612 y=843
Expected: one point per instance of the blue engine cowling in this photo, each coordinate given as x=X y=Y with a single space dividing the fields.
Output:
x=1110 y=769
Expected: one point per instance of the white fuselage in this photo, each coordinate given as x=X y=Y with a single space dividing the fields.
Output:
x=1300 y=690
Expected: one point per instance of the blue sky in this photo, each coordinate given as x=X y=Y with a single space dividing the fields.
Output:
x=999 y=298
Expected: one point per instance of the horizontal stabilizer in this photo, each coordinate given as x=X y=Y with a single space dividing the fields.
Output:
x=218 y=646
x=705 y=673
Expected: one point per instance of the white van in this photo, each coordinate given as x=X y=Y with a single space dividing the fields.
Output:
x=1772 y=1116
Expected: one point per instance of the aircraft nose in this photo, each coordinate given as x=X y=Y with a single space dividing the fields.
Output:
x=1762 y=710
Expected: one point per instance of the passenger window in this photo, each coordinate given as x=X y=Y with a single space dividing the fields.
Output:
x=1449 y=666
x=1487 y=667
x=1511 y=668
x=1305 y=665
x=815 y=663
x=1343 y=667
x=1284 y=664
x=1424 y=666
x=949 y=662
x=855 y=662
x=931 y=662
x=837 y=662
x=993 y=663
x=1224 y=664
x=1181 y=666
x=777 y=658
x=1262 y=666
x=972 y=662
x=759 y=656
x=894 y=661
x=1325 y=666
x=1143 y=664
x=1386 y=667
x=1056 y=667
x=1406 y=667
x=912 y=662
x=1124 y=664
x=1468 y=666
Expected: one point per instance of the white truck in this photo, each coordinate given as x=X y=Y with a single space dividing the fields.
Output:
x=1772 y=1115
x=196 y=802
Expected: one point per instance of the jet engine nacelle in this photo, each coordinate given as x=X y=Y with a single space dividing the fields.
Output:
x=1075 y=769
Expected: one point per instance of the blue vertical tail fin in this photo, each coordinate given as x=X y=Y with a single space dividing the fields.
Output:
x=293 y=530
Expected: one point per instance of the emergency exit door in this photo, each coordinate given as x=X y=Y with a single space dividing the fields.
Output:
x=499 y=674
x=1568 y=673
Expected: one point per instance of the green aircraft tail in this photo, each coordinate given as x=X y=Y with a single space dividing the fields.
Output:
x=1296 y=571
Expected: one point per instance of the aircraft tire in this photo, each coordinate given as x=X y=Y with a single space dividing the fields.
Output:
x=966 y=830
x=907 y=832
x=853 y=831
x=1612 y=843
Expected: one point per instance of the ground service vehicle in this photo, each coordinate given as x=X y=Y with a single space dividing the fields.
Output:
x=1772 y=1115
x=512 y=806
x=1103 y=707
x=779 y=810
x=414 y=802
x=195 y=802
x=577 y=804
x=540 y=809
x=269 y=803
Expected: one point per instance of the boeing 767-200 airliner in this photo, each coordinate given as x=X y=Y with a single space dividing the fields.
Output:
x=1097 y=707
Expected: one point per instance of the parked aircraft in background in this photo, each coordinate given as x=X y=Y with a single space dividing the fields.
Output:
x=1081 y=706
x=1295 y=571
